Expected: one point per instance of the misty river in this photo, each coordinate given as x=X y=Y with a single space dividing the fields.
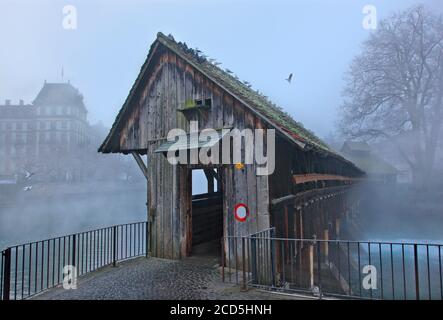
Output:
x=54 y=209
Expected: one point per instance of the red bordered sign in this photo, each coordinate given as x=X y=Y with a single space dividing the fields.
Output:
x=241 y=212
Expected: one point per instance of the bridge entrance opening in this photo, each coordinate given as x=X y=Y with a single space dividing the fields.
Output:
x=207 y=212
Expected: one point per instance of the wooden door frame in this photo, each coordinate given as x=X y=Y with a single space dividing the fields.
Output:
x=187 y=239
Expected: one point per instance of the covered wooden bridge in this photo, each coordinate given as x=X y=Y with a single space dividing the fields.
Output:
x=178 y=86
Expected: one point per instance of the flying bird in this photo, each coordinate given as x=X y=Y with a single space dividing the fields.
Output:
x=289 y=79
x=28 y=174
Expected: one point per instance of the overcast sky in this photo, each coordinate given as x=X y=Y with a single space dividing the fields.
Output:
x=261 y=41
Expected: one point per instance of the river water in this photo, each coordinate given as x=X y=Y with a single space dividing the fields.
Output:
x=53 y=210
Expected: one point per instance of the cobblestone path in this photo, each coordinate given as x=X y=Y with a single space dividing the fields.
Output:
x=153 y=278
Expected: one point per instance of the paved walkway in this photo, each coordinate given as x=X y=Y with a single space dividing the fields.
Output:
x=153 y=278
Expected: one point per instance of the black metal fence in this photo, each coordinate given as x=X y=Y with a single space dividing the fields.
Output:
x=352 y=269
x=31 y=268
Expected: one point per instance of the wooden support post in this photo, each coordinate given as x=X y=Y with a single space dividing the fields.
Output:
x=210 y=176
x=337 y=228
x=141 y=164
x=326 y=244
x=311 y=266
x=218 y=177
x=300 y=224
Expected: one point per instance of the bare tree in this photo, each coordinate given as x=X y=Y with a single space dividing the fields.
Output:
x=394 y=87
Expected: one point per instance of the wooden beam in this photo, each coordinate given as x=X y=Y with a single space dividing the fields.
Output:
x=308 y=197
x=283 y=200
x=314 y=177
x=141 y=164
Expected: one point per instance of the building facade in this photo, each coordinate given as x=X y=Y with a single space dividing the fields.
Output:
x=41 y=136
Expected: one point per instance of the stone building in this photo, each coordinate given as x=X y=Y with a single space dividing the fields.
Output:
x=43 y=135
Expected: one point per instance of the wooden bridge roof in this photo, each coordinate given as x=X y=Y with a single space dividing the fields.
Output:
x=255 y=101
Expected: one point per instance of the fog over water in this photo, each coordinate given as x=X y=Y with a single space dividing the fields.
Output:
x=64 y=209
x=315 y=40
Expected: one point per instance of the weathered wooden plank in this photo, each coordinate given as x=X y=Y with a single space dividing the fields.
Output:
x=228 y=105
x=167 y=167
x=181 y=95
x=150 y=201
x=251 y=183
x=160 y=164
x=189 y=86
x=175 y=88
x=153 y=165
x=315 y=177
x=240 y=176
x=205 y=117
x=217 y=107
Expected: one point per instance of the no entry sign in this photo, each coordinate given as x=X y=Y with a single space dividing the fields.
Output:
x=241 y=212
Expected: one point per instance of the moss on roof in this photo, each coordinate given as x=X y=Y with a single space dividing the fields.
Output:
x=254 y=98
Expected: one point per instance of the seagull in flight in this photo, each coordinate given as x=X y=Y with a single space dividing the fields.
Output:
x=28 y=174
x=289 y=79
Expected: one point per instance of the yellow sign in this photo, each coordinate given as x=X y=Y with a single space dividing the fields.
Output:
x=239 y=166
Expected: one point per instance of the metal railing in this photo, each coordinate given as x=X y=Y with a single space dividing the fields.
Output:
x=31 y=268
x=347 y=269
